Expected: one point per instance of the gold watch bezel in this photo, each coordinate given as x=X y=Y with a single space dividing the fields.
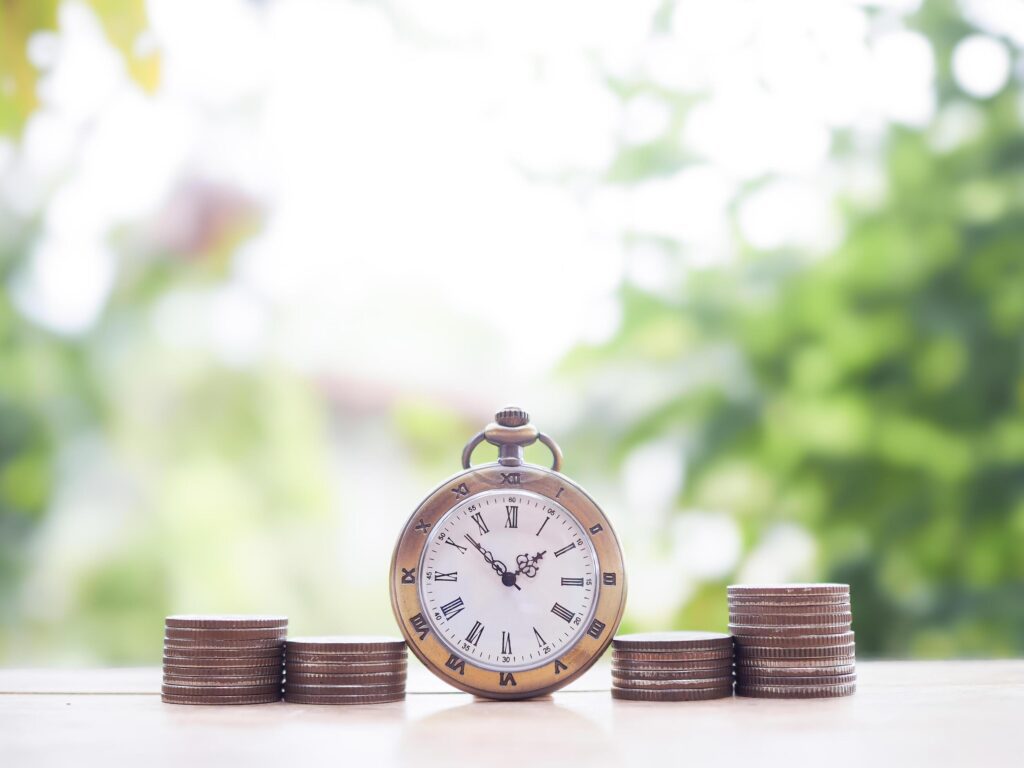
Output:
x=561 y=669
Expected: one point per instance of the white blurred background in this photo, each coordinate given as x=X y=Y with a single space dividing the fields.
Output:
x=384 y=220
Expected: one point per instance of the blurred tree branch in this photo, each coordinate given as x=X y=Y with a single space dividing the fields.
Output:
x=124 y=21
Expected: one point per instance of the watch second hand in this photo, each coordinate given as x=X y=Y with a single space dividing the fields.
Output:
x=498 y=566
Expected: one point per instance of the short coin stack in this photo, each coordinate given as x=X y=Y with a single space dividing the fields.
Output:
x=345 y=670
x=672 y=666
x=793 y=641
x=223 y=659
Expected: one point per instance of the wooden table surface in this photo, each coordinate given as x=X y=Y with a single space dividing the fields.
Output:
x=961 y=713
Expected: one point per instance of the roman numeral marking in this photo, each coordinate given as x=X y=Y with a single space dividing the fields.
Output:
x=608 y=579
x=453 y=609
x=475 y=633
x=408 y=575
x=452 y=542
x=478 y=518
x=596 y=628
x=506 y=643
x=596 y=528
x=560 y=490
x=419 y=625
x=455 y=664
x=542 y=526
x=422 y=526
x=540 y=640
x=572 y=581
x=566 y=548
x=562 y=612
x=511 y=516
x=461 y=490
x=510 y=478
x=453 y=576
x=559 y=666
x=506 y=678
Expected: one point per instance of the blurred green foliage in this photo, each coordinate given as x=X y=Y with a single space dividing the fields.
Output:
x=124 y=22
x=874 y=397
x=178 y=470
x=45 y=386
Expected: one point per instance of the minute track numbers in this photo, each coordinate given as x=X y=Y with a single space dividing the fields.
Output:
x=487 y=573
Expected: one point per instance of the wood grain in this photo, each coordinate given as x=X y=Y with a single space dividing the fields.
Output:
x=914 y=713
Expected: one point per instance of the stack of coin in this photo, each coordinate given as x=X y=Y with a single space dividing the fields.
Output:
x=672 y=666
x=345 y=670
x=792 y=640
x=223 y=659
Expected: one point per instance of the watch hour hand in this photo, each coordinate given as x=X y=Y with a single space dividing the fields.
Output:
x=528 y=565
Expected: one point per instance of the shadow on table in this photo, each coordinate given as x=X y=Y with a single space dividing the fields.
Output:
x=518 y=733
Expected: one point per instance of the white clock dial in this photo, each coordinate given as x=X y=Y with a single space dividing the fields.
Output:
x=510 y=580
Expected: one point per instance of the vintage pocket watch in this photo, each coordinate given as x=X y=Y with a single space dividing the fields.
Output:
x=508 y=581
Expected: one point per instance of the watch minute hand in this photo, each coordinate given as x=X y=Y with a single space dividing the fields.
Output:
x=507 y=578
x=488 y=557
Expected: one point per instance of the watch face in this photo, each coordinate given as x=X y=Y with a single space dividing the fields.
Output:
x=508 y=582
x=509 y=579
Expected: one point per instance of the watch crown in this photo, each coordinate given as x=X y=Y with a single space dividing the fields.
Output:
x=511 y=416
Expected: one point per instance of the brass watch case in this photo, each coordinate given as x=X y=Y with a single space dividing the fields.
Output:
x=561 y=669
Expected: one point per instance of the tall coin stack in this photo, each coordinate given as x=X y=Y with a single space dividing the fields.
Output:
x=672 y=666
x=345 y=670
x=793 y=641
x=223 y=659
